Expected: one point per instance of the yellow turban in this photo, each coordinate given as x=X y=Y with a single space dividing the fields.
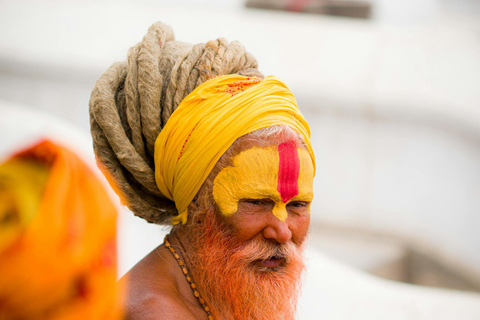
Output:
x=57 y=239
x=208 y=121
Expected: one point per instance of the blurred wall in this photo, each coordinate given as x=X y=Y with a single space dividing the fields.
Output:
x=392 y=102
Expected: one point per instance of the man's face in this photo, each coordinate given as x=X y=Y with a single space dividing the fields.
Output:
x=266 y=195
x=248 y=257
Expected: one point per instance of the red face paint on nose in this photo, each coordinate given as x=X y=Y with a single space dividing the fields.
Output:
x=288 y=170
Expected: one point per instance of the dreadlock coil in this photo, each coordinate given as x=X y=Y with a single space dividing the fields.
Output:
x=132 y=101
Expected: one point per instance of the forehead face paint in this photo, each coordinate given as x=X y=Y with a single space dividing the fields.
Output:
x=281 y=173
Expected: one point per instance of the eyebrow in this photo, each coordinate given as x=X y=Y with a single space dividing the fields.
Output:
x=265 y=193
x=261 y=194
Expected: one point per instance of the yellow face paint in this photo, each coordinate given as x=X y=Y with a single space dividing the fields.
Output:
x=276 y=173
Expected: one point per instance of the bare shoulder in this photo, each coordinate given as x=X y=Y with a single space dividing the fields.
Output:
x=152 y=290
x=154 y=306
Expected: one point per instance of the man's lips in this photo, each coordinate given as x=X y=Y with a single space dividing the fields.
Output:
x=272 y=262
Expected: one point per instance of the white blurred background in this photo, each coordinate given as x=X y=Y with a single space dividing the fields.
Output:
x=392 y=100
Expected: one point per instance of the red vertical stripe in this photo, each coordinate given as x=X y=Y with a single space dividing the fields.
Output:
x=288 y=170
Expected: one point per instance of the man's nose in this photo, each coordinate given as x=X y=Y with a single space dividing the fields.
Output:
x=277 y=230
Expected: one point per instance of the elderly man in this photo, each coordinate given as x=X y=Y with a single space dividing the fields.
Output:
x=194 y=136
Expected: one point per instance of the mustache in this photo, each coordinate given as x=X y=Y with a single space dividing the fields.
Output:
x=256 y=249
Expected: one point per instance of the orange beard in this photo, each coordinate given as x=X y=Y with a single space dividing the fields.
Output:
x=232 y=281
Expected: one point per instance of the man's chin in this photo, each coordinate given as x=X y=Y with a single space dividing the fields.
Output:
x=243 y=279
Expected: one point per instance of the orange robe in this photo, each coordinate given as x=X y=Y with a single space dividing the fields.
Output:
x=57 y=239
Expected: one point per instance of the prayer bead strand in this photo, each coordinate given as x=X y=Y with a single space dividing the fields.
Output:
x=189 y=278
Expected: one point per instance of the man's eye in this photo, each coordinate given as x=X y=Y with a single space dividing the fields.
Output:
x=298 y=204
x=255 y=202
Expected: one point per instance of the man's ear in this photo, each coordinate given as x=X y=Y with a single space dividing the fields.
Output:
x=193 y=206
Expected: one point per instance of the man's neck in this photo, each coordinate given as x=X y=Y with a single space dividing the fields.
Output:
x=180 y=241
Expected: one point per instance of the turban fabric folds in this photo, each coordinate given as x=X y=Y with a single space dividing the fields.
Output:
x=57 y=239
x=208 y=121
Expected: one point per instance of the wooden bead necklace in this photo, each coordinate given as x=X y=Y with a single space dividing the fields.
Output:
x=188 y=276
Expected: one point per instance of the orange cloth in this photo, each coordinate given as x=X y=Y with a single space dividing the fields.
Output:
x=57 y=249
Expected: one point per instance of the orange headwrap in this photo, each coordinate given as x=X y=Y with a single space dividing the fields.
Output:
x=208 y=121
x=57 y=239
